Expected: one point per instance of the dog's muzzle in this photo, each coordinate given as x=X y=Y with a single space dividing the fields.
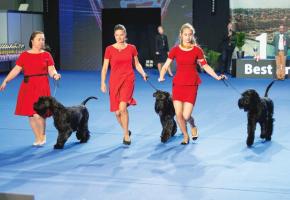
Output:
x=243 y=104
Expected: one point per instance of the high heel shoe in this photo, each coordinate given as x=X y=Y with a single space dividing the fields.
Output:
x=35 y=144
x=42 y=143
x=43 y=140
x=194 y=133
x=185 y=142
x=127 y=142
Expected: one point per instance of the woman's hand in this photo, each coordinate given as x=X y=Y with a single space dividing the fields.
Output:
x=103 y=87
x=56 y=76
x=145 y=77
x=221 y=77
x=3 y=85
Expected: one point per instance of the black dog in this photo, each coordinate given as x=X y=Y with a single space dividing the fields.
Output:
x=164 y=108
x=260 y=110
x=66 y=119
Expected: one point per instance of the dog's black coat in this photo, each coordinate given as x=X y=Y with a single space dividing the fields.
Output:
x=260 y=110
x=164 y=108
x=66 y=119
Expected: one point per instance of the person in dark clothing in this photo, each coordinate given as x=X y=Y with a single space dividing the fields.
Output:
x=161 y=46
x=227 y=48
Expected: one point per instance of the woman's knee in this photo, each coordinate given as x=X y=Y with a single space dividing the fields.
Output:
x=117 y=113
x=179 y=116
x=186 y=117
x=123 y=109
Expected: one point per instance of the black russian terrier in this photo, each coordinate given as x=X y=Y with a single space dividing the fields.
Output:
x=66 y=119
x=260 y=110
x=164 y=108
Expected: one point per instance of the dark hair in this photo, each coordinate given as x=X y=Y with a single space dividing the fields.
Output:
x=120 y=27
x=33 y=35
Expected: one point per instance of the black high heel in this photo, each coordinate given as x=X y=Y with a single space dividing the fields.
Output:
x=194 y=133
x=127 y=142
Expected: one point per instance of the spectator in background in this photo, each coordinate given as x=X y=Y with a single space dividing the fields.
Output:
x=161 y=46
x=227 y=48
x=281 y=42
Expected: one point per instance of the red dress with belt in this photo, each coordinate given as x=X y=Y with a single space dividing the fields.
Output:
x=122 y=77
x=186 y=79
x=36 y=86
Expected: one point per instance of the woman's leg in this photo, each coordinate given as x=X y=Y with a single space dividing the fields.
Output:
x=41 y=124
x=187 y=112
x=124 y=118
x=34 y=128
x=159 y=65
x=118 y=116
x=178 y=106
x=38 y=124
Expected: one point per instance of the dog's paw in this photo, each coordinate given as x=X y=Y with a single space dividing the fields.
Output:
x=250 y=141
x=165 y=138
x=86 y=139
x=58 y=146
x=268 y=138
x=262 y=136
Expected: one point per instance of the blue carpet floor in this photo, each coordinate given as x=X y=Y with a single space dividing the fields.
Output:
x=218 y=166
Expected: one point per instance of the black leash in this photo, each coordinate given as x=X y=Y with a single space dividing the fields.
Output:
x=228 y=84
x=150 y=83
x=56 y=86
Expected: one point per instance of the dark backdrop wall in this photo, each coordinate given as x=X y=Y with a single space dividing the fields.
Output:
x=210 y=26
x=51 y=28
x=81 y=27
x=141 y=25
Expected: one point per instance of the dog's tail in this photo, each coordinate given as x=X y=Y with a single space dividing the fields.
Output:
x=87 y=99
x=268 y=88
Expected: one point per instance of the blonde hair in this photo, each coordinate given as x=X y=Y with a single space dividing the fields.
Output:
x=189 y=26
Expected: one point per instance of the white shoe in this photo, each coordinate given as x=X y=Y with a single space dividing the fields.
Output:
x=42 y=143
x=35 y=144
x=44 y=140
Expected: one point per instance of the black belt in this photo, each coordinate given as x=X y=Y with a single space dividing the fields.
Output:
x=26 y=77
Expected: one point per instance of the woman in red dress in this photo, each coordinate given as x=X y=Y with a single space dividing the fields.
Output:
x=122 y=79
x=186 y=80
x=36 y=64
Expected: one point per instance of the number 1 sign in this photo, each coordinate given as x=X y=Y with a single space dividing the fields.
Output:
x=263 y=45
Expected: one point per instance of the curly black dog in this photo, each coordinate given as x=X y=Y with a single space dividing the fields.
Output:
x=164 y=108
x=260 y=110
x=66 y=119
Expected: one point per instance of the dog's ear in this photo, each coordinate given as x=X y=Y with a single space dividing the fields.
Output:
x=167 y=94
